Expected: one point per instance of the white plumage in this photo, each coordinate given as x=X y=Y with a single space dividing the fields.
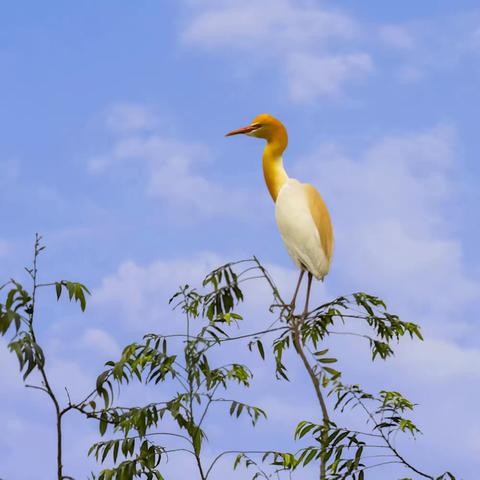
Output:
x=298 y=230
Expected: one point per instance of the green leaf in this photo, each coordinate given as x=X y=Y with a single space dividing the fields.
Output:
x=334 y=373
x=238 y=459
x=309 y=457
x=10 y=297
x=101 y=379
x=197 y=440
x=327 y=360
x=303 y=428
x=80 y=296
x=358 y=456
x=103 y=423
x=58 y=288
x=260 y=349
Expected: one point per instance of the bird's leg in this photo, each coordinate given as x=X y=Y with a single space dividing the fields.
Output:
x=307 y=298
x=297 y=288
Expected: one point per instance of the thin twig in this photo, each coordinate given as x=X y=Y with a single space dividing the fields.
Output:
x=295 y=324
x=41 y=366
x=36 y=387
x=389 y=444
x=229 y=452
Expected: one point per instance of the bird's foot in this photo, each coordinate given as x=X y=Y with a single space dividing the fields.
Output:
x=290 y=307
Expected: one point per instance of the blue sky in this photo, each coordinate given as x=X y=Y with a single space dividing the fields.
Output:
x=112 y=121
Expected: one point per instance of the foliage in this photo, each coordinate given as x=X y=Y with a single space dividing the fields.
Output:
x=199 y=384
x=143 y=437
x=17 y=317
x=17 y=314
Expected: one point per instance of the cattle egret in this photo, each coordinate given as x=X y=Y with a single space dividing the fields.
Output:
x=301 y=214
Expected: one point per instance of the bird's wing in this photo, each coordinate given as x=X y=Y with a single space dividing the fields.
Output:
x=321 y=218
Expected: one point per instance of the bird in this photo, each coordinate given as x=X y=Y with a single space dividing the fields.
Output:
x=301 y=214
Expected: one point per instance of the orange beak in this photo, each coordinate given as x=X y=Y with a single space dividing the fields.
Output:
x=244 y=130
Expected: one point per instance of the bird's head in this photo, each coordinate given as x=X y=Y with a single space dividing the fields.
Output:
x=264 y=126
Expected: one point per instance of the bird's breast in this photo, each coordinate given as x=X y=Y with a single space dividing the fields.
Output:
x=298 y=230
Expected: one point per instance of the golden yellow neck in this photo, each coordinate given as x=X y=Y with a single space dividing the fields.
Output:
x=273 y=171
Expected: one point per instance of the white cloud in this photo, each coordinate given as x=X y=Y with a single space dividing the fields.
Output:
x=311 y=76
x=397 y=37
x=430 y=46
x=138 y=294
x=69 y=374
x=410 y=74
x=154 y=150
x=441 y=377
x=141 y=293
x=298 y=37
x=319 y=50
x=97 y=339
x=443 y=360
x=393 y=228
x=171 y=169
x=270 y=26
x=130 y=117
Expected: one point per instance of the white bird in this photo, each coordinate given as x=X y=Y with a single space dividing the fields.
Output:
x=301 y=214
